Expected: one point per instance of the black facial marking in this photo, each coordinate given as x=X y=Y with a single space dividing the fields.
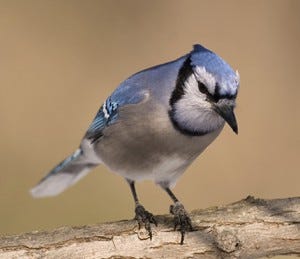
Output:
x=216 y=96
x=209 y=97
x=184 y=73
x=217 y=91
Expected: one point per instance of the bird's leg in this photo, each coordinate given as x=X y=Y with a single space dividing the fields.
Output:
x=142 y=216
x=181 y=217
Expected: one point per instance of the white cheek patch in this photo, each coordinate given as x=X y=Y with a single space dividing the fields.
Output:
x=206 y=78
x=193 y=111
x=192 y=96
x=191 y=87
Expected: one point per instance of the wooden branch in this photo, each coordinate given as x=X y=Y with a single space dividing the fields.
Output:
x=250 y=228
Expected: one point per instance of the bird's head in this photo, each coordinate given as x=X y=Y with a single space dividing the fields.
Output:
x=205 y=94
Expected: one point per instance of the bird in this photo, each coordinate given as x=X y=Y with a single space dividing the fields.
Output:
x=152 y=127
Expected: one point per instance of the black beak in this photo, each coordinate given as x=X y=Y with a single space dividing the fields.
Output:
x=226 y=112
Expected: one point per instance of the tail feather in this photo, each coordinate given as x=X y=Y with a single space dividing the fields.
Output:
x=64 y=175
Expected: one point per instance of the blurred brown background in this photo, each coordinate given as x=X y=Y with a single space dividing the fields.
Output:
x=59 y=60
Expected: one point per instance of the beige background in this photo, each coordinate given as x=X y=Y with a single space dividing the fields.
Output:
x=60 y=59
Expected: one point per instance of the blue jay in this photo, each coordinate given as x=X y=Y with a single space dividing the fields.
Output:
x=153 y=127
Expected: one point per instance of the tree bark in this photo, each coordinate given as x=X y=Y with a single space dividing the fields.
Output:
x=250 y=228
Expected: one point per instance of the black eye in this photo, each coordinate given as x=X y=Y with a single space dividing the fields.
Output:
x=202 y=88
x=209 y=96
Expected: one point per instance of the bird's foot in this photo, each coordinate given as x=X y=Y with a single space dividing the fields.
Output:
x=145 y=218
x=181 y=218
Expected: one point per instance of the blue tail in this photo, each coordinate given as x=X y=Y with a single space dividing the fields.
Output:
x=65 y=174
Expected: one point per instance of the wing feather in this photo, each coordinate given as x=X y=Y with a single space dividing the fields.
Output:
x=125 y=94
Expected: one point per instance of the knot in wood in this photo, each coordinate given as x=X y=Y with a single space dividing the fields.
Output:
x=227 y=241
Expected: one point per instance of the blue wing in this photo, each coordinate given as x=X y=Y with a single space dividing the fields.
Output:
x=156 y=81
x=106 y=115
x=129 y=92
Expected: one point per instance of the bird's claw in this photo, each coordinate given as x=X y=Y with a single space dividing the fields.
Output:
x=145 y=218
x=182 y=219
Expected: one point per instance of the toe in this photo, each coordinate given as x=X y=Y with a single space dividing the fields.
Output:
x=181 y=219
x=144 y=218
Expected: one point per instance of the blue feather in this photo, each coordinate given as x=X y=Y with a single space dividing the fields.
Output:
x=127 y=93
x=106 y=115
x=223 y=73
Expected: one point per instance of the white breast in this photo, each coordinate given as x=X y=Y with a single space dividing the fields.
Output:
x=165 y=172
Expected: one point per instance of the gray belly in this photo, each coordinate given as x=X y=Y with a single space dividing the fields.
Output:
x=143 y=145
